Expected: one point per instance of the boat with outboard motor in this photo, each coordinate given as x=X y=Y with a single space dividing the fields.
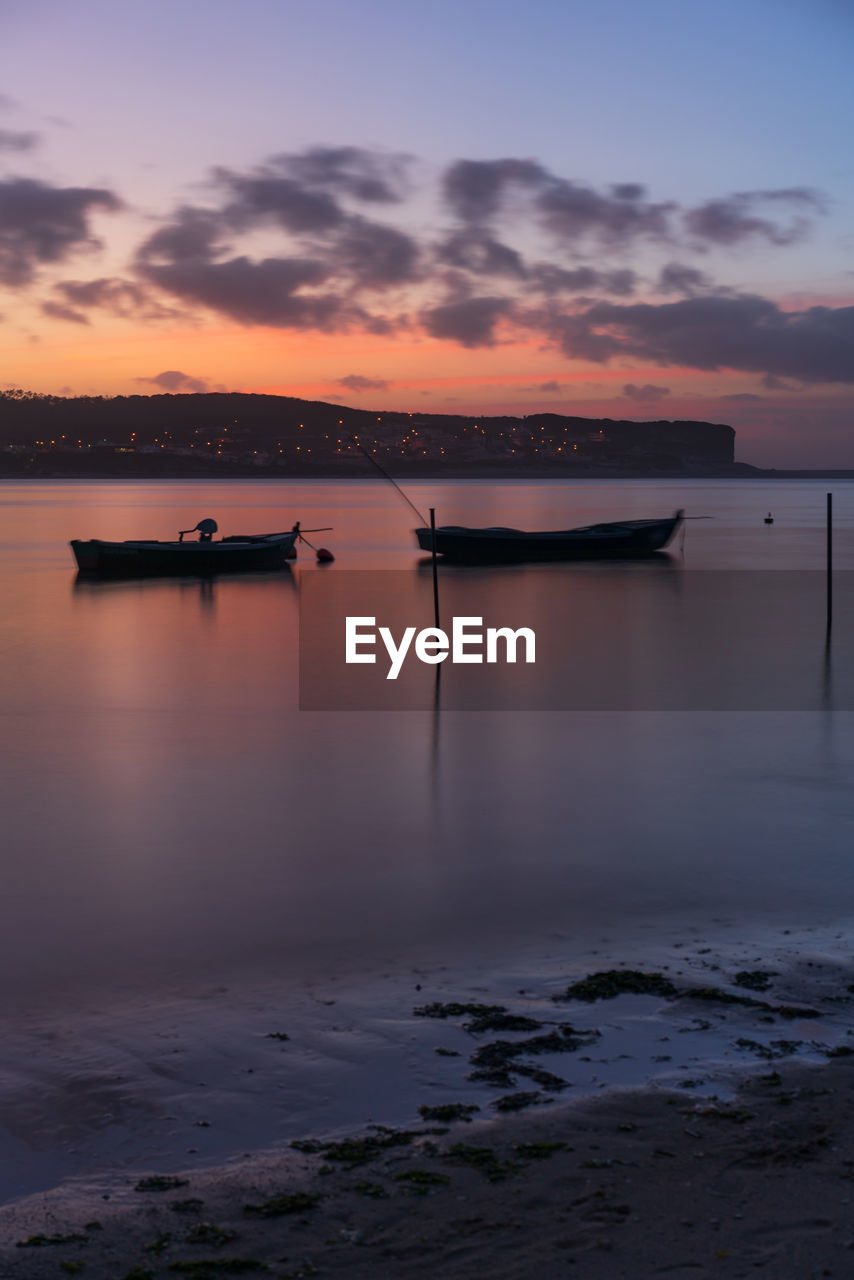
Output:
x=239 y=553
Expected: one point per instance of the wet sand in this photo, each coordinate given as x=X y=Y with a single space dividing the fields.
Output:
x=629 y=1184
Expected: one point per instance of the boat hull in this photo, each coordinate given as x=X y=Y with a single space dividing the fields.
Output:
x=624 y=538
x=138 y=559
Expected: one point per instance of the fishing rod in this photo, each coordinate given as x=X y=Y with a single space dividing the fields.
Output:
x=391 y=480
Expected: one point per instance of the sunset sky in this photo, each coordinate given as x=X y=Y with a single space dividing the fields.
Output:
x=628 y=208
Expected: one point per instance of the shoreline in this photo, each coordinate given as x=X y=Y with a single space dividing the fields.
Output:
x=632 y=1183
x=687 y=1044
x=741 y=472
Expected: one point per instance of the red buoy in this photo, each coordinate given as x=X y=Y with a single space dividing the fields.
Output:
x=324 y=556
x=292 y=554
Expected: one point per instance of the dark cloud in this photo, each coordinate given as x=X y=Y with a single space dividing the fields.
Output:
x=745 y=396
x=470 y=322
x=174 y=380
x=182 y=258
x=550 y=279
x=266 y=196
x=367 y=254
x=11 y=141
x=57 y=311
x=41 y=224
x=475 y=188
x=546 y=278
x=645 y=394
x=621 y=282
x=331 y=254
x=372 y=255
x=264 y=292
x=773 y=383
x=371 y=176
x=475 y=250
x=570 y=211
x=675 y=277
x=193 y=235
x=356 y=382
x=743 y=332
x=733 y=219
x=301 y=192
x=549 y=386
x=125 y=298
x=627 y=190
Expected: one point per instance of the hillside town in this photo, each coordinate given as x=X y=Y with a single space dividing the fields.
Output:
x=239 y=434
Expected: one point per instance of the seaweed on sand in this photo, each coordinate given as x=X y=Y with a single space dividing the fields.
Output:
x=715 y=995
x=39 y=1241
x=373 y=1190
x=617 y=982
x=161 y=1182
x=484 y=1017
x=446 y=1113
x=193 y=1205
x=545 y=1079
x=775 y=1049
x=208 y=1233
x=754 y=979
x=538 y=1150
x=611 y=983
x=279 y=1206
x=208 y=1267
x=420 y=1182
x=481 y=1158
x=517 y=1101
x=354 y=1151
x=495 y=1063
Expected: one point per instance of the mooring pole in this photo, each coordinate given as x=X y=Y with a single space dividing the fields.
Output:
x=829 y=562
x=435 y=567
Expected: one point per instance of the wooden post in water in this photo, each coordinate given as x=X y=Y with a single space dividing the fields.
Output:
x=829 y=562
x=435 y=566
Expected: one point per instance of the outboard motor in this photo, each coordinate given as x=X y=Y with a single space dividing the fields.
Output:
x=205 y=529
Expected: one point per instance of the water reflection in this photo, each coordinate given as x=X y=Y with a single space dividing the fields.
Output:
x=168 y=809
x=203 y=583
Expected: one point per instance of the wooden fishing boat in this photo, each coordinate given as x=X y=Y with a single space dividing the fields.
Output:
x=238 y=554
x=595 y=541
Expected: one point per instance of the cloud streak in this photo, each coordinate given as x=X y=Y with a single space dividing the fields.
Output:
x=647 y=394
x=734 y=220
x=173 y=380
x=17 y=142
x=358 y=382
x=744 y=332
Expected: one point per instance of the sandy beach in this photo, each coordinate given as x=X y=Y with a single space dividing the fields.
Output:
x=532 y=1154
x=634 y=1184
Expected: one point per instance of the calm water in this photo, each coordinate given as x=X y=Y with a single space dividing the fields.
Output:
x=169 y=813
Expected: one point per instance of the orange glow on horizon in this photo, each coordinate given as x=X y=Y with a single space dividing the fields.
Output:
x=423 y=374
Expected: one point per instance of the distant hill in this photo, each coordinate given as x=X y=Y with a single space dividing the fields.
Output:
x=230 y=434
